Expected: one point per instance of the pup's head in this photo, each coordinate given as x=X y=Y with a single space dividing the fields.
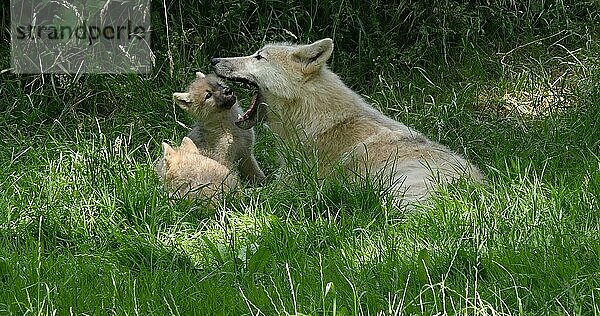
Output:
x=171 y=163
x=205 y=97
x=278 y=70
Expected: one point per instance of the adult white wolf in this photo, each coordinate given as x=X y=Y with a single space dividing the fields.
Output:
x=305 y=96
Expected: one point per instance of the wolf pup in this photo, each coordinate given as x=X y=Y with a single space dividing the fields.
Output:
x=190 y=174
x=215 y=107
x=309 y=101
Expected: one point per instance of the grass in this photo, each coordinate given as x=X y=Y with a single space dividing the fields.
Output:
x=86 y=228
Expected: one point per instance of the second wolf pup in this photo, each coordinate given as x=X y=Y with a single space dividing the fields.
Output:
x=188 y=173
x=215 y=108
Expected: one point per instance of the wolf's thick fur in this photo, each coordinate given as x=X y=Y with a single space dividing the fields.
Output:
x=215 y=108
x=190 y=174
x=303 y=94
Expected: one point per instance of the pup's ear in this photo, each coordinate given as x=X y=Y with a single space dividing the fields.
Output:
x=188 y=145
x=167 y=149
x=200 y=75
x=313 y=56
x=184 y=100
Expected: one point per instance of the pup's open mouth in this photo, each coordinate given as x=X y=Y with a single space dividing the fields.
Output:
x=228 y=98
x=249 y=118
x=228 y=101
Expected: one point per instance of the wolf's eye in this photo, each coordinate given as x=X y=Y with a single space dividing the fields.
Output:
x=258 y=57
x=207 y=96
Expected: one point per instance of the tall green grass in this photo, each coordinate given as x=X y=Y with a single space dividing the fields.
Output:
x=86 y=228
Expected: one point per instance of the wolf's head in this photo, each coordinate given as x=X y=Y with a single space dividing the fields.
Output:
x=171 y=163
x=205 y=97
x=276 y=70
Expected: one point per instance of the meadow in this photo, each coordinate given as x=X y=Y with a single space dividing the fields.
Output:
x=86 y=227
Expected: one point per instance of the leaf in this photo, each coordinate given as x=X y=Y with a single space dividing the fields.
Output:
x=423 y=262
x=259 y=260
x=213 y=249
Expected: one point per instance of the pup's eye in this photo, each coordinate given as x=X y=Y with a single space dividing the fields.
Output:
x=207 y=96
x=258 y=57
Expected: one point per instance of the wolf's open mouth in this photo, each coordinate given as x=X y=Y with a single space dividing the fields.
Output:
x=248 y=119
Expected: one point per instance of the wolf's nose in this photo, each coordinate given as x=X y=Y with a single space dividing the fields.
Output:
x=214 y=61
x=227 y=91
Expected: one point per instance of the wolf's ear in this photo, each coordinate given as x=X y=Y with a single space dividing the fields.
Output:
x=313 y=56
x=184 y=100
x=200 y=75
x=167 y=149
x=188 y=145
